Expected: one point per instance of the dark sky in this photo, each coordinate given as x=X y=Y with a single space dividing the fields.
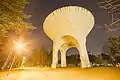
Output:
x=39 y=9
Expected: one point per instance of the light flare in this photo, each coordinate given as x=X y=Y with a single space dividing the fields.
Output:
x=19 y=45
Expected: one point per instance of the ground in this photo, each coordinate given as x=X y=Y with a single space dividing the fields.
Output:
x=97 y=73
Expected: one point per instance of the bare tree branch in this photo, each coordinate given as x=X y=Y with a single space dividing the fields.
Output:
x=113 y=9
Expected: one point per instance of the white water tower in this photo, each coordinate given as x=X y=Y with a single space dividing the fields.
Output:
x=68 y=27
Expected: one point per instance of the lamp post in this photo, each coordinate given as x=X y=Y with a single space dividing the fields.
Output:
x=18 y=47
x=23 y=61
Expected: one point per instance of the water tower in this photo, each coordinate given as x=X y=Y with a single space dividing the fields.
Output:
x=68 y=27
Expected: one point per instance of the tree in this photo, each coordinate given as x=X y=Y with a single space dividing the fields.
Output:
x=93 y=58
x=73 y=59
x=114 y=45
x=113 y=9
x=117 y=59
x=49 y=58
x=107 y=59
x=113 y=48
x=39 y=57
x=12 y=17
x=12 y=23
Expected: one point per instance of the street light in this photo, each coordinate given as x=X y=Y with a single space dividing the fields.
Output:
x=23 y=61
x=19 y=45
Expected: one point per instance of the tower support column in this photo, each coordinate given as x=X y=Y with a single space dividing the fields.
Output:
x=56 y=46
x=83 y=54
x=63 y=58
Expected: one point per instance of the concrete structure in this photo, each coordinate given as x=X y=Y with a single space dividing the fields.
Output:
x=68 y=27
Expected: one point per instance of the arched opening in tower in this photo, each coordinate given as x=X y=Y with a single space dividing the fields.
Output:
x=69 y=52
x=72 y=57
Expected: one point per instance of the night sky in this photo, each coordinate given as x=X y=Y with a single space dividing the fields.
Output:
x=39 y=9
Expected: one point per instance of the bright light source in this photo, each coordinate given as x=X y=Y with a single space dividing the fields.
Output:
x=24 y=58
x=19 y=45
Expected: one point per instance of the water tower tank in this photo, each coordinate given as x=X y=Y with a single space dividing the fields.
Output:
x=68 y=20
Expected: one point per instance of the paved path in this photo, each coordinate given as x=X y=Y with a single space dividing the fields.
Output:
x=98 y=73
